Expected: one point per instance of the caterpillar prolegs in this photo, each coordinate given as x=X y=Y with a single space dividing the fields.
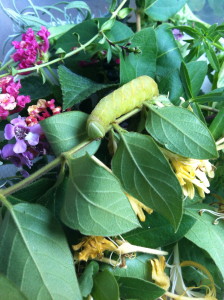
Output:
x=119 y=102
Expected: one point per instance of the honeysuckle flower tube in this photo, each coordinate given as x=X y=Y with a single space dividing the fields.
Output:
x=93 y=247
x=191 y=173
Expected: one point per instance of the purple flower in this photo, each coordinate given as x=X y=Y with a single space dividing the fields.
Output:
x=18 y=159
x=178 y=35
x=23 y=134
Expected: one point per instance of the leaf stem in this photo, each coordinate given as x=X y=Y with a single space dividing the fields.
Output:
x=208 y=108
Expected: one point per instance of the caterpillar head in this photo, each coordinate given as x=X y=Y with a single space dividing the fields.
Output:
x=95 y=130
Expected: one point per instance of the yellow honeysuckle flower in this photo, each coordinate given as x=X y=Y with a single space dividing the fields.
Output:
x=191 y=173
x=93 y=247
x=158 y=273
x=139 y=207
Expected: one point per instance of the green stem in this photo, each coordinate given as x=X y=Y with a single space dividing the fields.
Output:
x=208 y=108
x=5 y=202
x=4 y=75
x=6 y=65
x=69 y=54
x=114 y=14
x=57 y=161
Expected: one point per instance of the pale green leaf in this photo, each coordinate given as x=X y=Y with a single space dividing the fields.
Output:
x=94 y=202
x=206 y=235
x=146 y=174
x=34 y=254
x=67 y=130
x=180 y=131
x=162 y=10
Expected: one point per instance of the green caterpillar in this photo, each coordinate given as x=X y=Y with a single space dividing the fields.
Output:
x=119 y=102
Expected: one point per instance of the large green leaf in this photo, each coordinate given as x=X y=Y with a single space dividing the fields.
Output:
x=206 y=235
x=180 y=131
x=34 y=254
x=162 y=10
x=67 y=130
x=94 y=202
x=105 y=287
x=9 y=291
x=216 y=95
x=144 y=63
x=146 y=174
x=168 y=63
x=76 y=88
x=135 y=288
x=158 y=232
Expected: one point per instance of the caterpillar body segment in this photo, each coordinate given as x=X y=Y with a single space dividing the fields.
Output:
x=119 y=102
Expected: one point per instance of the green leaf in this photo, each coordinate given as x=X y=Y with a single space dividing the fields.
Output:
x=105 y=287
x=34 y=87
x=162 y=10
x=144 y=63
x=33 y=246
x=140 y=289
x=157 y=232
x=76 y=88
x=212 y=57
x=107 y=25
x=137 y=267
x=146 y=174
x=197 y=71
x=9 y=291
x=119 y=32
x=216 y=95
x=57 y=31
x=168 y=63
x=217 y=126
x=185 y=78
x=67 y=130
x=181 y=132
x=86 y=279
x=80 y=33
x=193 y=32
x=94 y=202
x=220 y=82
x=206 y=235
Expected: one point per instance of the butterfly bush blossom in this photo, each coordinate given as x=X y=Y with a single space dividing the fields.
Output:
x=32 y=48
x=10 y=100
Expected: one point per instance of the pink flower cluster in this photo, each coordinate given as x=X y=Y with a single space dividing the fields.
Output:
x=41 y=111
x=30 y=50
x=10 y=101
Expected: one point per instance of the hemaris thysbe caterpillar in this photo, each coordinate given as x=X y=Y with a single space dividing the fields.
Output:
x=131 y=95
